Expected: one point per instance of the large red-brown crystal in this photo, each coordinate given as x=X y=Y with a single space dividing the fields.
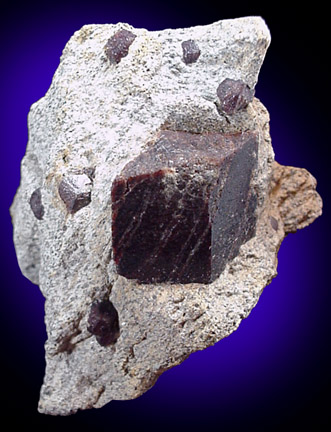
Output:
x=182 y=209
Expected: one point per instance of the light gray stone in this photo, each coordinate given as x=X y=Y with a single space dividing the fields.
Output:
x=95 y=118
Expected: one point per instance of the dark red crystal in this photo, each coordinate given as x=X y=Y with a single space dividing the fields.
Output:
x=118 y=45
x=191 y=51
x=36 y=204
x=73 y=197
x=234 y=95
x=103 y=322
x=182 y=209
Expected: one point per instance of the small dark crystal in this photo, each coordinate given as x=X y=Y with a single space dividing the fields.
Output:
x=118 y=45
x=73 y=197
x=36 y=204
x=274 y=223
x=234 y=95
x=182 y=209
x=191 y=51
x=103 y=322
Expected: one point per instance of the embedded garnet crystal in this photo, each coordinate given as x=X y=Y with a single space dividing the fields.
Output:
x=182 y=209
x=234 y=95
x=75 y=191
x=274 y=223
x=191 y=51
x=36 y=204
x=118 y=45
x=103 y=322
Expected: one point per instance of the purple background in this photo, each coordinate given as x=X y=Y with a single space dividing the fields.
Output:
x=273 y=372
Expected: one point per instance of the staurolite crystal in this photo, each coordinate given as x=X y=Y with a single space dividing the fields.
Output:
x=182 y=209
x=151 y=209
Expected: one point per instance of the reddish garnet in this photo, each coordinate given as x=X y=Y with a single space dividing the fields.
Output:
x=118 y=45
x=103 y=322
x=191 y=51
x=234 y=95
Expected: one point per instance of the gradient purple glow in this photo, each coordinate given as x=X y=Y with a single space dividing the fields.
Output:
x=273 y=368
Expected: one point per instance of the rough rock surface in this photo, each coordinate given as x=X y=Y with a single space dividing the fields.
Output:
x=110 y=337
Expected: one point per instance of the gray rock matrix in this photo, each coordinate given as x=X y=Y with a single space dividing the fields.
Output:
x=96 y=117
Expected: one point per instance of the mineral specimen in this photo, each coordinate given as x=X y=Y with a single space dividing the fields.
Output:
x=150 y=210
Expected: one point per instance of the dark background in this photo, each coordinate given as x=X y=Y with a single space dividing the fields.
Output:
x=273 y=373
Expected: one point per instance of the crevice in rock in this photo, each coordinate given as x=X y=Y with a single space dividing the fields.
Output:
x=65 y=343
x=100 y=393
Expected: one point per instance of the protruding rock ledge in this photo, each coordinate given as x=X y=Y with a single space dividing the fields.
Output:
x=293 y=193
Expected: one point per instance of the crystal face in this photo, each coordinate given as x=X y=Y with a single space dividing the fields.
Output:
x=103 y=322
x=118 y=45
x=234 y=95
x=182 y=209
x=191 y=51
